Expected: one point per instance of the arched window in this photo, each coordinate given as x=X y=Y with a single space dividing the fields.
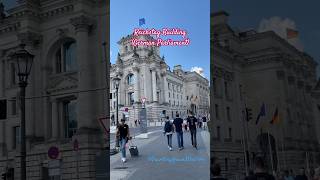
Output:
x=65 y=57
x=130 y=79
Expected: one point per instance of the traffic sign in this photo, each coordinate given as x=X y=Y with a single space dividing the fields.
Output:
x=53 y=152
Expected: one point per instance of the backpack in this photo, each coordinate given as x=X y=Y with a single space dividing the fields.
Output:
x=168 y=127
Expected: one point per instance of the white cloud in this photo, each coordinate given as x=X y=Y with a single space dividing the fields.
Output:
x=198 y=70
x=279 y=26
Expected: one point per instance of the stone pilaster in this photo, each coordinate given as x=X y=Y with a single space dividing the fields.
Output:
x=87 y=116
x=154 y=85
x=136 y=84
x=54 y=120
x=165 y=87
x=2 y=137
x=1 y=76
x=145 y=80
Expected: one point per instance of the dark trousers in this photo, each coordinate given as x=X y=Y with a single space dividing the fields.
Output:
x=169 y=137
x=180 y=139
x=193 y=133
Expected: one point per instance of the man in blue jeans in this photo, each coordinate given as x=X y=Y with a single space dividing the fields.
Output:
x=177 y=123
x=123 y=136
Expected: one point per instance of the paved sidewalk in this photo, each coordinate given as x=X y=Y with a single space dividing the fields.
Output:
x=156 y=162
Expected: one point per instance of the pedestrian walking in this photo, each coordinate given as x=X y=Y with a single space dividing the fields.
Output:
x=260 y=171
x=135 y=123
x=199 y=121
x=168 y=130
x=123 y=134
x=192 y=123
x=177 y=124
x=204 y=120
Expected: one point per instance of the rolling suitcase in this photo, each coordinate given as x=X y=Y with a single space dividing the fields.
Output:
x=134 y=152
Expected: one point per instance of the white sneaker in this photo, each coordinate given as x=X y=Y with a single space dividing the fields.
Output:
x=170 y=148
x=123 y=160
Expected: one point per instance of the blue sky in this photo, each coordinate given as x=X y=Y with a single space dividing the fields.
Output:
x=191 y=15
x=8 y=3
x=247 y=14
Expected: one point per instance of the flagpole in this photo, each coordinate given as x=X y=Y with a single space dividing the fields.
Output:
x=278 y=157
x=270 y=149
x=247 y=139
x=283 y=153
x=307 y=161
x=244 y=145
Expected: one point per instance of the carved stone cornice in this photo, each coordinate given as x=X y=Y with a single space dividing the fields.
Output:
x=30 y=38
x=10 y=27
x=62 y=82
x=82 y=23
x=56 y=12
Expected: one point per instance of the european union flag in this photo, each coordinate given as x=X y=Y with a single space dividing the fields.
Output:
x=142 y=21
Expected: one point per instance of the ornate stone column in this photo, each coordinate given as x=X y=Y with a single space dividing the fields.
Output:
x=136 y=84
x=165 y=87
x=54 y=120
x=1 y=76
x=145 y=80
x=2 y=137
x=87 y=117
x=154 y=85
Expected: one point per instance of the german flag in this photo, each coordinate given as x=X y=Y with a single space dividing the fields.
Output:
x=275 y=118
x=291 y=33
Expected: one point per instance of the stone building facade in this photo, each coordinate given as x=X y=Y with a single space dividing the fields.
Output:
x=250 y=69
x=67 y=87
x=145 y=75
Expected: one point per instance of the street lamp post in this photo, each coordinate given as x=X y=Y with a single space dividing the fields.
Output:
x=24 y=62
x=116 y=81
